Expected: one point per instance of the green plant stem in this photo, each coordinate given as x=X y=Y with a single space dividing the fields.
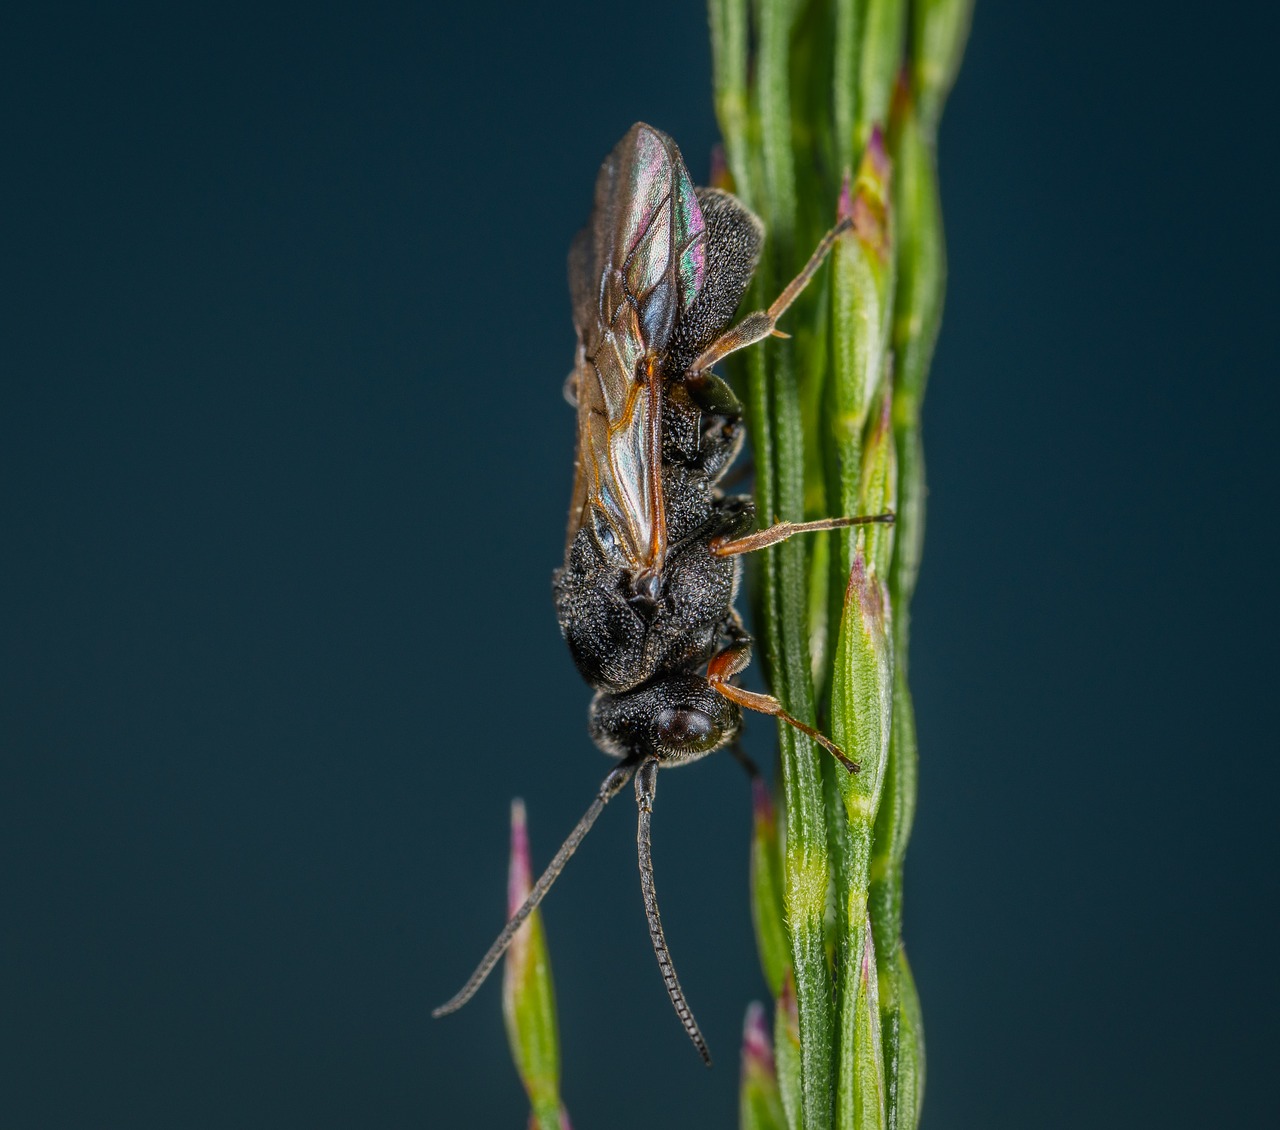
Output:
x=805 y=863
x=835 y=430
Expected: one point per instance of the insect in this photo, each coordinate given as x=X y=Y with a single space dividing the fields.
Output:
x=645 y=595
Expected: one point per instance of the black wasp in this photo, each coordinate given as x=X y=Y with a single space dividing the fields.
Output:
x=645 y=597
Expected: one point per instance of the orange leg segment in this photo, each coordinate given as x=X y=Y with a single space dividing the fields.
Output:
x=729 y=547
x=763 y=323
x=733 y=660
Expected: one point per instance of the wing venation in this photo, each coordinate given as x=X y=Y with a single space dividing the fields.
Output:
x=637 y=266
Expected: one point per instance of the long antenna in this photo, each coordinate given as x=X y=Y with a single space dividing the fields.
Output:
x=646 y=784
x=611 y=786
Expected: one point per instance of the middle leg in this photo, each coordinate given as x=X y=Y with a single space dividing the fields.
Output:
x=733 y=660
x=780 y=531
x=762 y=323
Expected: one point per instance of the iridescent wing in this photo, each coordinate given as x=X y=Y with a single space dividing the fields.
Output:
x=638 y=265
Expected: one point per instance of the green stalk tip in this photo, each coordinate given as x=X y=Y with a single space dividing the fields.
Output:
x=940 y=29
x=528 y=997
x=760 y=1100
x=786 y=1043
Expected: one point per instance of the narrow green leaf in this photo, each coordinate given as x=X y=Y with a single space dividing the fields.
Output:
x=528 y=998
x=786 y=1043
x=918 y=311
x=849 y=19
x=862 y=1104
x=861 y=1093
x=812 y=338
x=766 y=890
x=806 y=866
x=893 y=827
x=728 y=20
x=879 y=487
x=861 y=714
x=940 y=29
x=811 y=72
x=918 y=308
x=773 y=105
x=805 y=901
x=819 y=608
x=882 y=50
x=862 y=282
x=922 y=268
x=861 y=289
x=908 y=532
x=904 y=1051
x=760 y=1100
x=862 y=694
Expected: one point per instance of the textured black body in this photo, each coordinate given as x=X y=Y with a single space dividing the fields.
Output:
x=622 y=635
x=735 y=237
x=645 y=596
x=643 y=639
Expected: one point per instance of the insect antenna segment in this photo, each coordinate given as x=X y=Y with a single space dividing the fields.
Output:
x=646 y=785
x=609 y=788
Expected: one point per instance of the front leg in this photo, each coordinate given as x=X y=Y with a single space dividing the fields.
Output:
x=733 y=660
x=759 y=325
x=725 y=546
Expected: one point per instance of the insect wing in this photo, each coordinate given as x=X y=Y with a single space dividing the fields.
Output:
x=637 y=266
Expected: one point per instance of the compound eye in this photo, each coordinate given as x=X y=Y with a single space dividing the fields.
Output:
x=686 y=728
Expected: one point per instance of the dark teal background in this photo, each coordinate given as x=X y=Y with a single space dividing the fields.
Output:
x=284 y=468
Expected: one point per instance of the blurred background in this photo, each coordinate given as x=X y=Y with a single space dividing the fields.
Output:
x=285 y=471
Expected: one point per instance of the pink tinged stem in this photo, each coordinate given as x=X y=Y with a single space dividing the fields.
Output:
x=519 y=873
x=762 y=804
x=757 y=1049
x=519 y=883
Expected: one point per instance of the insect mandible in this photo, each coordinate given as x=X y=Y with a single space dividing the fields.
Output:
x=645 y=595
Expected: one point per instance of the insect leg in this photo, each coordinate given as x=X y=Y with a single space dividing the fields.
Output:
x=646 y=784
x=734 y=659
x=610 y=788
x=729 y=547
x=759 y=325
